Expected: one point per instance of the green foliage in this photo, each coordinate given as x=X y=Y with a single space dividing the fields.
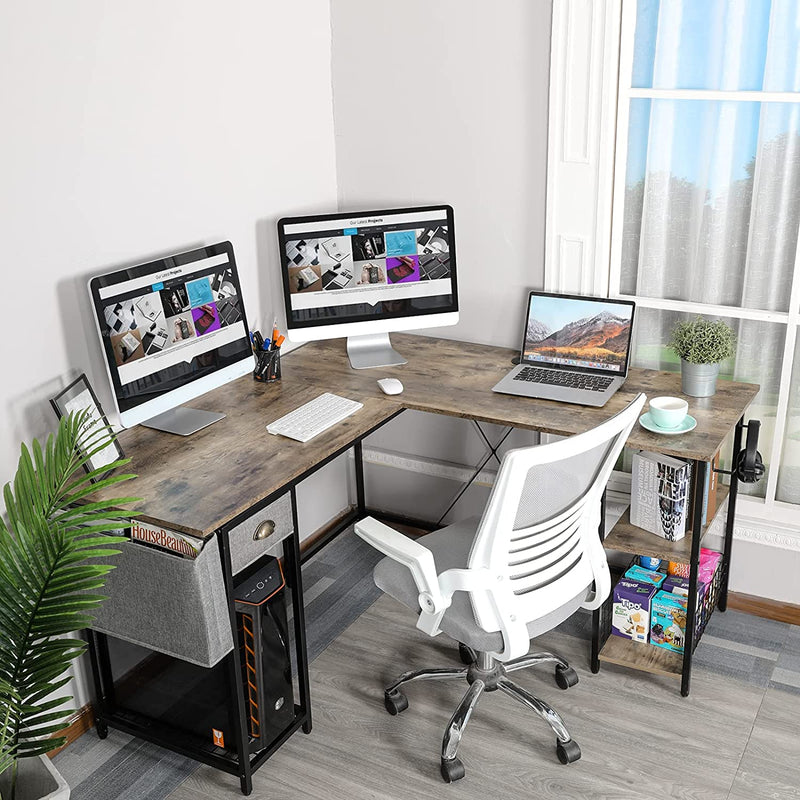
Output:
x=52 y=532
x=703 y=341
x=9 y=701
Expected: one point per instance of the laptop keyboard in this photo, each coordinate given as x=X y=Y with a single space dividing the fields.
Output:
x=569 y=380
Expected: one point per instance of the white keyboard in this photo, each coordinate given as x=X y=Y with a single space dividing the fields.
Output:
x=317 y=415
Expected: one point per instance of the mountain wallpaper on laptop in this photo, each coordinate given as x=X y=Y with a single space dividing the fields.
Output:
x=602 y=337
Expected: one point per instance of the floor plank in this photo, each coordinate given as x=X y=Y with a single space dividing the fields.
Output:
x=639 y=738
x=770 y=767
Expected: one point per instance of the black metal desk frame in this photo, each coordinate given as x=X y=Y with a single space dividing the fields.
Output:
x=237 y=761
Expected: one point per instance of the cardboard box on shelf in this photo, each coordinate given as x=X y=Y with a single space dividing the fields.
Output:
x=668 y=621
x=630 y=614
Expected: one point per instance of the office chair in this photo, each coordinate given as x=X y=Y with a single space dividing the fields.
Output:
x=532 y=559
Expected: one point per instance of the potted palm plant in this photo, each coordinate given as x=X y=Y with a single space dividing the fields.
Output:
x=701 y=345
x=52 y=531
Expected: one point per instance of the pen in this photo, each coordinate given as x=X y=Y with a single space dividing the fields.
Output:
x=279 y=341
x=258 y=341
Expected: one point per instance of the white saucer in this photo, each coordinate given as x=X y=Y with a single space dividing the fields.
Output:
x=689 y=424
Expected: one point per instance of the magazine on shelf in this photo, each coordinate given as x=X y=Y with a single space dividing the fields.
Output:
x=660 y=492
x=173 y=542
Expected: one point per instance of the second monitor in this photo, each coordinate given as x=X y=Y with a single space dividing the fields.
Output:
x=365 y=274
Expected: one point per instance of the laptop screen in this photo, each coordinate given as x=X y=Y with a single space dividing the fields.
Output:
x=578 y=333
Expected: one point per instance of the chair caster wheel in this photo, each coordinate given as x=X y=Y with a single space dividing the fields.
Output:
x=102 y=728
x=395 y=702
x=452 y=770
x=465 y=654
x=565 y=677
x=568 y=752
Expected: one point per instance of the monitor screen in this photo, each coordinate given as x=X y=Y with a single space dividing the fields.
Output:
x=170 y=323
x=362 y=266
x=578 y=332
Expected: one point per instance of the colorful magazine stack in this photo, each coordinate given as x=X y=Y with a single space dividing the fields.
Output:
x=660 y=492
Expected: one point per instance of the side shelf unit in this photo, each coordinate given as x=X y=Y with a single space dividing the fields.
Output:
x=630 y=539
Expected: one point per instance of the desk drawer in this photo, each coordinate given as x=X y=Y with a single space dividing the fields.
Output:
x=260 y=533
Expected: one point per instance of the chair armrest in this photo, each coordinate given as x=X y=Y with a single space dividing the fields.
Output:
x=419 y=561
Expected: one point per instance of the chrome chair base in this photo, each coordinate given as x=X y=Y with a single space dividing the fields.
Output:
x=485 y=674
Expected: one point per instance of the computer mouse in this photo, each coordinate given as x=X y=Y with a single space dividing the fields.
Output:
x=390 y=385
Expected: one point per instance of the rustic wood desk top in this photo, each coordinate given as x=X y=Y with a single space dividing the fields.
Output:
x=201 y=482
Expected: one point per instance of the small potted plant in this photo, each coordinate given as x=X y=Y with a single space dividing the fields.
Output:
x=701 y=345
x=52 y=530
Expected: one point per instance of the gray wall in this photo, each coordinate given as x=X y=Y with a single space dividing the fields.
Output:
x=132 y=130
x=447 y=102
x=137 y=130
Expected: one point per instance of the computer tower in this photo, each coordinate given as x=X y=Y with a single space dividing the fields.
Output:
x=263 y=639
x=196 y=701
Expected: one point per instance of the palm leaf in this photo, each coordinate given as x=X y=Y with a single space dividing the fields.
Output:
x=9 y=700
x=46 y=546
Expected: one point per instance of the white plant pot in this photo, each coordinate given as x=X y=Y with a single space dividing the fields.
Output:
x=37 y=779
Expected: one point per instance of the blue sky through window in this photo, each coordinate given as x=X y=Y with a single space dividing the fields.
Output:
x=710 y=44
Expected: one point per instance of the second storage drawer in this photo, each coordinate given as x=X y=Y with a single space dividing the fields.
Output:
x=260 y=533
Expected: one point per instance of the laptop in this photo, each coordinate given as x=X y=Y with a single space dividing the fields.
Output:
x=574 y=349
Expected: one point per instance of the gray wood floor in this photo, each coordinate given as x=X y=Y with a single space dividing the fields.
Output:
x=730 y=740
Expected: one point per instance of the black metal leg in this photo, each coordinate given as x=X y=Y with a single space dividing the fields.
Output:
x=358 y=453
x=233 y=672
x=492 y=454
x=597 y=613
x=722 y=604
x=698 y=487
x=595 y=659
x=292 y=555
x=100 y=680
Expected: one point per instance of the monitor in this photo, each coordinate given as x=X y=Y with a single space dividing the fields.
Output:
x=584 y=333
x=365 y=274
x=171 y=330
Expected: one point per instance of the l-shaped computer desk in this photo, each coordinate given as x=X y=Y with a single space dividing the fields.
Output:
x=235 y=484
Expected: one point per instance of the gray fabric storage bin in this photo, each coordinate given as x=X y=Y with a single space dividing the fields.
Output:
x=167 y=603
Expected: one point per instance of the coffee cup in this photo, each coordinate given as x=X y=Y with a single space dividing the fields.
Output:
x=668 y=412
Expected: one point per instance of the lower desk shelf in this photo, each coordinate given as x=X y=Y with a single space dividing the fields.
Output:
x=627 y=538
x=641 y=655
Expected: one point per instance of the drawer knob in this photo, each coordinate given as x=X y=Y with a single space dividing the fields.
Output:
x=266 y=528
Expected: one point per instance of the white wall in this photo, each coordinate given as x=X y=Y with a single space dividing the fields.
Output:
x=447 y=102
x=133 y=130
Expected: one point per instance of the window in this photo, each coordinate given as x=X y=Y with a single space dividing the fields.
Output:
x=707 y=198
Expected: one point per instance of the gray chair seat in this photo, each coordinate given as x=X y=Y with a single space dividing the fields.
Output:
x=450 y=547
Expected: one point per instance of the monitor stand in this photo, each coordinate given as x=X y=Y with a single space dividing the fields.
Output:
x=372 y=350
x=183 y=421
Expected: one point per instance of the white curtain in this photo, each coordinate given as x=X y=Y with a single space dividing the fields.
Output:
x=713 y=187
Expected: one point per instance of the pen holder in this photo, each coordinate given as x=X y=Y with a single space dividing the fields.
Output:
x=268 y=365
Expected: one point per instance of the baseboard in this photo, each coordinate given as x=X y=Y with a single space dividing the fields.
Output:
x=312 y=541
x=80 y=722
x=761 y=607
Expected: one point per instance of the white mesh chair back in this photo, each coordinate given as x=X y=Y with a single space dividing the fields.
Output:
x=538 y=536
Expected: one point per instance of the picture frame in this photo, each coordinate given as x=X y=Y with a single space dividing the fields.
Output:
x=79 y=396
